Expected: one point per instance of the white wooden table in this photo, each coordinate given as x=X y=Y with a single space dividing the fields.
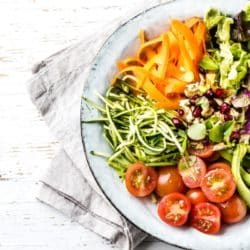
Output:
x=31 y=30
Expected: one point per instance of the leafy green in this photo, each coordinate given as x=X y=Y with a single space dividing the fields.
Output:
x=223 y=29
x=211 y=121
x=228 y=128
x=208 y=63
x=227 y=55
x=246 y=16
x=241 y=28
x=212 y=18
x=216 y=134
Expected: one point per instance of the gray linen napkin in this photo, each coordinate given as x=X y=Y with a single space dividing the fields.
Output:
x=68 y=186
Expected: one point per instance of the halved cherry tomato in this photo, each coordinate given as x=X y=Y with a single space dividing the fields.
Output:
x=140 y=180
x=205 y=152
x=233 y=210
x=192 y=169
x=206 y=218
x=218 y=185
x=174 y=209
x=220 y=165
x=169 y=181
x=196 y=196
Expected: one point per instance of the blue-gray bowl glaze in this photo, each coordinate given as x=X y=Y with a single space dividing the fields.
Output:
x=123 y=42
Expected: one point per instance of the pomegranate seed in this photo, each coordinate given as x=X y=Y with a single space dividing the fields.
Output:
x=178 y=123
x=235 y=136
x=193 y=99
x=224 y=108
x=180 y=112
x=219 y=93
x=228 y=117
x=209 y=94
x=197 y=112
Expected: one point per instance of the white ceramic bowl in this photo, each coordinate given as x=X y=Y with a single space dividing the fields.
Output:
x=142 y=213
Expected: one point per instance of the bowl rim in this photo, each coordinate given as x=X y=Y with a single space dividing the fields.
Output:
x=92 y=66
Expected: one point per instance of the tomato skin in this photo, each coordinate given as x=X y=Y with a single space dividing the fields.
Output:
x=216 y=156
x=206 y=218
x=140 y=180
x=174 y=208
x=233 y=210
x=204 y=153
x=193 y=173
x=196 y=196
x=220 y=165
x=169 y=181
x=218 y=185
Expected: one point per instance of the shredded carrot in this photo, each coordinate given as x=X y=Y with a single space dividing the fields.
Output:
x=129 y=61
x=142 y=36
x=191 y=22
x=163 y=66
x=175 y=86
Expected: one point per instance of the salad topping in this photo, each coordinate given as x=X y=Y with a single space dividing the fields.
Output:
x=177 y=117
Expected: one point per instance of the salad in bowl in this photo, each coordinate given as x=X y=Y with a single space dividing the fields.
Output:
x=176 y=116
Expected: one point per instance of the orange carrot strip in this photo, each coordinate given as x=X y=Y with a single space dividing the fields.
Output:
x=149 y=44
x=169 y=103
x=200 y=35
x=153 y=92
x=137 y=71
x=176 y=72
x=175 y=86
x=192 y=21
x=182 y=32
x=164 y=56
x=129 y=61
x=186 y=61
x=174 y=50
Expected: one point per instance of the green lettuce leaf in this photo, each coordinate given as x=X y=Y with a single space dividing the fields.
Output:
x=223 y=30
x=212 y=18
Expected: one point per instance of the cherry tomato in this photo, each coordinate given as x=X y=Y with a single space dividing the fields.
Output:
x=140 y=180
x=220 y=165
x=169 y=181
x=196 y=196
x=233 y=210
x=205 y=152
x=174 y=209
x=216 y=156
x=206 y=218
x=192 y=169
x=218 y=185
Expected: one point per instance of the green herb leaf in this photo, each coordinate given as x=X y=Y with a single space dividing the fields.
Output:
x=228 y=128
x=208 y=63
x=216 y=133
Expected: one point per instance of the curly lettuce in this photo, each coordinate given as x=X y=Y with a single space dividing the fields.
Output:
x=227 y=54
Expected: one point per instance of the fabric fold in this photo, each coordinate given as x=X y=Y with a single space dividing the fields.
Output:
x=56 y=89
x=82 y=204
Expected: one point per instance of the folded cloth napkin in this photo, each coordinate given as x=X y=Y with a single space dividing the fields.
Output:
x=68 y=186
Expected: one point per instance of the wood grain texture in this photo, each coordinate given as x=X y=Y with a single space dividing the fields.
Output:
x=30 y=31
